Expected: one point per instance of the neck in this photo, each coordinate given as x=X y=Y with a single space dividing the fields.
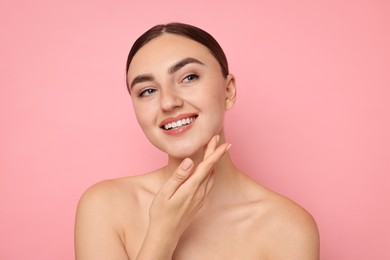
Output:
x=197 y=157
x=226 y=175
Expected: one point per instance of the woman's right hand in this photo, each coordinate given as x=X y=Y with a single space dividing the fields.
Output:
x=181 y=197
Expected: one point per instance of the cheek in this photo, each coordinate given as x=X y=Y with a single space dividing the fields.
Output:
x=214 y=98
x=142 y=113
x=213 y=106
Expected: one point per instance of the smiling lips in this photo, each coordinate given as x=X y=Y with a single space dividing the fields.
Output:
x=178 y=124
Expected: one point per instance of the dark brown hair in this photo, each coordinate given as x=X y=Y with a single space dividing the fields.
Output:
x=186 y=30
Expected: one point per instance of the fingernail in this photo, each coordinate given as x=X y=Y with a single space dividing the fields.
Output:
x=186 y=164
x=228 y=147
x=217 y=139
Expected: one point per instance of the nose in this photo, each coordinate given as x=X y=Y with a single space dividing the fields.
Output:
x=169 y=99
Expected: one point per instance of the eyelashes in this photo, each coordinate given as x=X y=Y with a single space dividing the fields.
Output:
x=147 y=92
x=188 y=79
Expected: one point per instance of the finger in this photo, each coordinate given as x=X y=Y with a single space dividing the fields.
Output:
x=182 y=173
x=209 y=183
x=206 y=166
x=211 y=146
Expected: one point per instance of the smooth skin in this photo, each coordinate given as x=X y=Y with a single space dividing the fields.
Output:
x=198 y=206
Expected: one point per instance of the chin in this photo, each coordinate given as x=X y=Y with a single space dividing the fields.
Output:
x=183 y=147
x=181 y=150
x=183 y=153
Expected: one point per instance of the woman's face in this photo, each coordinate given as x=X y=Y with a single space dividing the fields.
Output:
x=179 y=94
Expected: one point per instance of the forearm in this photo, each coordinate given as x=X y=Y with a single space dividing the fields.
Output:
x=177 y=203
x=157 y=245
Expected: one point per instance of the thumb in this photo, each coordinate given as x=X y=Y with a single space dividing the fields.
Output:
x=181 y=174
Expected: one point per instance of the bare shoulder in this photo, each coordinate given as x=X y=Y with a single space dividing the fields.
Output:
x=105 y=195
x=112 y=199
x=291 y=231
x=112 y=191
x=101 y=213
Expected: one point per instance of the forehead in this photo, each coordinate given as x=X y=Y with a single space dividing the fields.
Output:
x=167 y=49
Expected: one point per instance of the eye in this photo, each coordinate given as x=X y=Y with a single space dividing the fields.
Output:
x=146 y=92
x=189 y=78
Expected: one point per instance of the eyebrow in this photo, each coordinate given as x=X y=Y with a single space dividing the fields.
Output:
x=175 y=67
x=181 y=63
x=141 y=78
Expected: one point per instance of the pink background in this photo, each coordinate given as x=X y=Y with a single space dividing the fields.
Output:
x=311 y=120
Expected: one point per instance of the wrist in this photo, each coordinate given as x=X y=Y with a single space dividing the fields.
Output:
x=159 y=243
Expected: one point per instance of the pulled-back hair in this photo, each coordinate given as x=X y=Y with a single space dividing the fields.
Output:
x=186 y=30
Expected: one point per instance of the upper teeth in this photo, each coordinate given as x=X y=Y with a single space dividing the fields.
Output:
x=179 y=123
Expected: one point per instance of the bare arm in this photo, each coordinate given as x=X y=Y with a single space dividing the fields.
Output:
x=98 y=229
x=295 y=237
x=97 y=235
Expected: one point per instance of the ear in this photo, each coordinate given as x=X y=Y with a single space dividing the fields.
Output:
x=230 y=91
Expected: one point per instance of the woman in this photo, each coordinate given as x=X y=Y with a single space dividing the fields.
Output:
x=199 y=205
